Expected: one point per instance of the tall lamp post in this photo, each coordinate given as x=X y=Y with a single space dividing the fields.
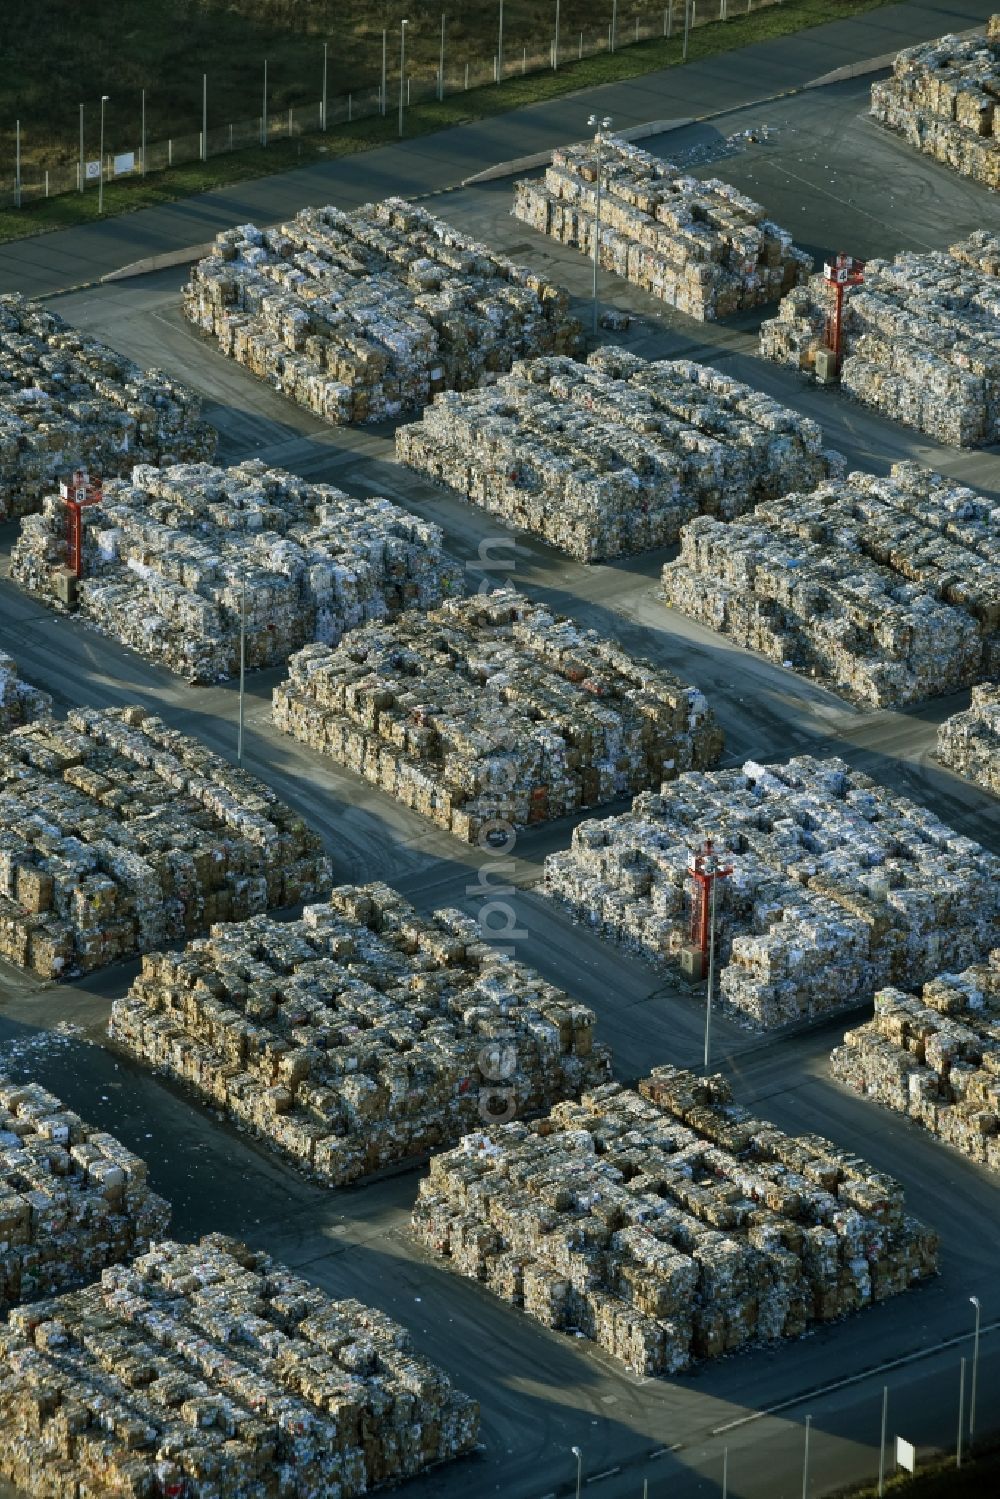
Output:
x=601 y=126
x=975 y=1372
x=323 y=110
x=579 y=1469
x=402 y=72
x=100 y=172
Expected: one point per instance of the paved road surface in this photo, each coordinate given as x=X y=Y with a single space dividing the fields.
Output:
x=825 y=171
x=51 y=262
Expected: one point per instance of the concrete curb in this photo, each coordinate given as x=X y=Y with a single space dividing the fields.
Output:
x=543 y=158
x=163 y=262
x=873 y=64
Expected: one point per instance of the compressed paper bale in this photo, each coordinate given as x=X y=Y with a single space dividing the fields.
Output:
x=118 y=834
x=920 y=338
x=942 y=99
x=497 y=710
x=167 y=552
x=360 y=1035
x=886 y=588
x=668 y=1224
x=703 y=247
x=839 y=885
x=935 y=1059
x=211 y=1370
x=68 y=401
x=359 y=316
x=969 y=742
x=20 y=703
x=72 y=1199
x=611 y=457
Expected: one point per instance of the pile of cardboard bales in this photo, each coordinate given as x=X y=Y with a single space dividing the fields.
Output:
x=920 y=338
x=72 y=1199
x=838 y=885
x=362 y=315
x=703 y=247
x=944 y=98
x=174 y=559
x=611 y=457
x=887 y=588
x=493 y=710
x=935 y=1059
x=67 y=401
x=969 y=742
x=19 y=701
x=118 y=834
x=208 y=1370
x=360 y=1035
x=669 y=1224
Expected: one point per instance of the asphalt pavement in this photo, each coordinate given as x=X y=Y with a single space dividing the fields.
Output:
x=828 y=174
x=70 y=257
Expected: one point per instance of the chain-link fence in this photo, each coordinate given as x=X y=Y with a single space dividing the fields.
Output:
x=85 y=172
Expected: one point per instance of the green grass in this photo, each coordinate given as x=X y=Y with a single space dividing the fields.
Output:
x=940 y=1479
x=127 y=195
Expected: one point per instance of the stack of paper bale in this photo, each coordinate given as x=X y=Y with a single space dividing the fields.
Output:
x=491 y=709
x=703 y=247
x=176 y=561
x=970 y=741
x=362 y=315
x=920 y=338
x=210 y=1371
x=67 y=401
x=72 y=1199
x=838 y=884
x=944 y=98
x=118 y=834
x=669 y=1224
x=935 y=1059
x=611 y=457
x=362 y=1034
x=19 y=701
x=887 y=588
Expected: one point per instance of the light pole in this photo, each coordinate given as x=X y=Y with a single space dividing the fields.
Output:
x=614 y=23
x=17 y=164
x=881 y=1450
x=325 y=45
x=555 y=49
x=383 y=101
x=100 y=172
x=805 y=1462
x=402 y=72
x=975 y=1373
x=142 y=133
x=961 y=1413
x=579 y=1469
x=82 y=163
x=687 y=23
x=204 y=116
x=243 y=655
x=601 y=126
x=263 y=110
x=500 y=46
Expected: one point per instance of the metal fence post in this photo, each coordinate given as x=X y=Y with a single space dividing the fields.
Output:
x=441 y=64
